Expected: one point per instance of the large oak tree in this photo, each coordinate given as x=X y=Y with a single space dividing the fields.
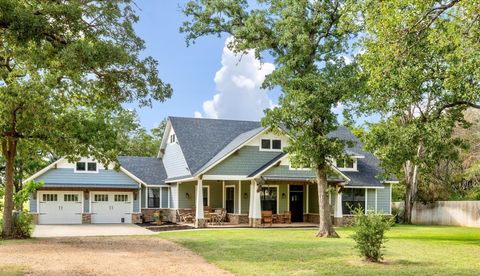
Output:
x=66 y=66
x=306 y=40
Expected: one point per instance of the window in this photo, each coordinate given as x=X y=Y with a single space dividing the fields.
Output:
x=172 y=138
x=268 y=144
x=70 y=197
x=276 y=144
x=265 y=144
x=268 y=197
x=101 y=197
x=50 y=197
x=86 y=167
x=81 y=166
x=92 y=166
x=346 y=163
x=205 y=196
x=352 y=199
x=153 y=197
x=121 y=198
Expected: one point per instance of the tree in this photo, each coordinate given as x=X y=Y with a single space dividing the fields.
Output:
x=65 y=69
x=306 y=40
x=421 y=62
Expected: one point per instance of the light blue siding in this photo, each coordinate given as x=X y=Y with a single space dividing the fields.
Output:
x=165 y=195
x=370 y=200
x=86 y=205
x=67 y=177
x=174 y=195
x=32 y=204
x=383 y=200
x=244 y=162
x=183 y=189
x=142 y=194
x=174 y=161
x=136 y=201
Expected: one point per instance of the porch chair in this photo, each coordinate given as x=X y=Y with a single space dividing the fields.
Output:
x=185 y=217
x=287 y=217
x=267 y=218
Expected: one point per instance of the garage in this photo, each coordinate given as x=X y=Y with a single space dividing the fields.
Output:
x=111 y=207
x=60 y=207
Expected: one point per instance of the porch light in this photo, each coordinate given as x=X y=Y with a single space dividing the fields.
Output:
x=187 y=195
x=245 y=195
x=284 y=195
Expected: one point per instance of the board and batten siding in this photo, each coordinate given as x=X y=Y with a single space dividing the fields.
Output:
x=68 y=177
x=165 y=196
x=371 y=200
x=243 y=162
x=384 y=200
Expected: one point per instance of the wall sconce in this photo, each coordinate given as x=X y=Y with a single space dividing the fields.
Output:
x=135 y=195
x=85 y=195
x=187 y=195
x=284 y=195
x=245 y=195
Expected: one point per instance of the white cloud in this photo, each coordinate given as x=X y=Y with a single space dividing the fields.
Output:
x=238 y=85
x=198 y=114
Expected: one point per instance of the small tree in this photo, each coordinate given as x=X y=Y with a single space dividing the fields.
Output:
x=370 y=234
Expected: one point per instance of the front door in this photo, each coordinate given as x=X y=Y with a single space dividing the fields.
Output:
x=296 y=202
x=230 y=199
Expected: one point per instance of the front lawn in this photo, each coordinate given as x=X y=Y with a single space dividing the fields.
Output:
x=410 y=250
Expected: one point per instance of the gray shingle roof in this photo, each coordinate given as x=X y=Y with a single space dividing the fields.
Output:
x=202 y=139
x=149 y=169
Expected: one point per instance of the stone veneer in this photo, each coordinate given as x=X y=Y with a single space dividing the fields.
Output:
x=167 y=215
x=238 y=218
x=86 y=218
x=137 y=218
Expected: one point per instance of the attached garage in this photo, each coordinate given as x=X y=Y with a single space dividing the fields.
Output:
x=60 y=207
x=111 y=207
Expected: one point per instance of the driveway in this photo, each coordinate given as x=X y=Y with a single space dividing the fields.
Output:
x=128 y=255
x=87 y=230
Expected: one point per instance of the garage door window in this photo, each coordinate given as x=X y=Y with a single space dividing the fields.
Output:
x=121 y=198
x=101 y=197
x=50 y=197
x=70 y=197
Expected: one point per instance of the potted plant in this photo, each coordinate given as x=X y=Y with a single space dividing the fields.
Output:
x=157 y=217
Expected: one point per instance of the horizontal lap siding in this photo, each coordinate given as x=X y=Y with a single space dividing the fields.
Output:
x=245 y=200
x=371 y=200
x=183 y=189
x=142 y=193
x=174 y=161
x=313 y=199
x=215 y=193
x=284 y=170
x=32 y=204
x=136 y=202
x=384 y=200
x=243 y=162
x=165 y=195
x=67 y=176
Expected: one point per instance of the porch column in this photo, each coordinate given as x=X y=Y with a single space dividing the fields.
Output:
x=338 y=206
x=257 y=207
x=199 y=219
x=250 y=204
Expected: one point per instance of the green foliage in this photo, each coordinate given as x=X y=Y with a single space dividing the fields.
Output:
x=369 y=234
x=22 y=225
x=22 y=196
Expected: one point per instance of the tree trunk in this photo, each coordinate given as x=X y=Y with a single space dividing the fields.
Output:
x=411 y=179
x=325 y=224
x=9 y=150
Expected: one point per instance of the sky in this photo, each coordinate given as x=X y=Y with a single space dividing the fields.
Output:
x=207 y=79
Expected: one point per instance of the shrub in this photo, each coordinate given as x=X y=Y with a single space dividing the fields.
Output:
x=22 y=225
x=369 y=234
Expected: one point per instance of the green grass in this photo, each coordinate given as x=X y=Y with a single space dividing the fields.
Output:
x=410 y=250
x=12 y=270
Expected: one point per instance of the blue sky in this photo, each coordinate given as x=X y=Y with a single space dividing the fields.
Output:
x=207 y=79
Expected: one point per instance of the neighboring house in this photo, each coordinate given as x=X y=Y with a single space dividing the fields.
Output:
x=236 y=165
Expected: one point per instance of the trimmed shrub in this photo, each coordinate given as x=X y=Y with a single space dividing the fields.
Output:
x=369 y=234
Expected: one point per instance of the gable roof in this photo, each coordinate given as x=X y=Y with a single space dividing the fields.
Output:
x=149 y=169
x=206 y=140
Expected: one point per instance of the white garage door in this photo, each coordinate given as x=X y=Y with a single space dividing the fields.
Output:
x=57 y=207
x=111 y=207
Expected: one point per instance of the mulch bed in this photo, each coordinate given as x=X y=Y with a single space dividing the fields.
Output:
x=166 y=226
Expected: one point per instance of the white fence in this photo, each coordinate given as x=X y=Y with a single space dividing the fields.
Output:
x=462 y=213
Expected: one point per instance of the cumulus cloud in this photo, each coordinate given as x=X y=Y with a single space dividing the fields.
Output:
x=238 y=94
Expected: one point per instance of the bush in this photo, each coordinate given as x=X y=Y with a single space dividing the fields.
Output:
x=22 y=225
x=370 y=234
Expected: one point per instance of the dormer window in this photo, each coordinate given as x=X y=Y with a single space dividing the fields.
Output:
x=346 y=164
x=271 y=144
x=86 y=167
x=172 y=138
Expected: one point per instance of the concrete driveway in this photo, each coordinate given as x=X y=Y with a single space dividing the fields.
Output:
x=88 y=230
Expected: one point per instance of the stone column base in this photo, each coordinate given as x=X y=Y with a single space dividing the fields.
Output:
x=86 y=218
x=256 y=222
x=200 y=223
x=136 y=218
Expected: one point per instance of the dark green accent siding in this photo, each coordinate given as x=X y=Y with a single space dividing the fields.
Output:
x=215 y=193
x=384 y=200
x=183 y=189
x=243 y=162
x=313 y=199
x=245 y=200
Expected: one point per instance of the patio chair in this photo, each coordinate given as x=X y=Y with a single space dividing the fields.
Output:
x=185 y=217
x=267 y=218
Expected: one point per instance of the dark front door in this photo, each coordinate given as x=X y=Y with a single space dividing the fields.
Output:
x=296 y=202
x=230 y=199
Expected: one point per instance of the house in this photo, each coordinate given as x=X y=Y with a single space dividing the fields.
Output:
x=236 y=165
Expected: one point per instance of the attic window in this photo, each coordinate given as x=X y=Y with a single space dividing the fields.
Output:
x=86 y=167
x=172 y=138
x=347 y=164
x=265 y=144
x=271 y=144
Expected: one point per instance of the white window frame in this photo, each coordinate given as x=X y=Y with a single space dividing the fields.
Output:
x=172 y=138
x=271 y=144
x=86 y=167
x=234 y=197
x=343 y=169
x=278 y=196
